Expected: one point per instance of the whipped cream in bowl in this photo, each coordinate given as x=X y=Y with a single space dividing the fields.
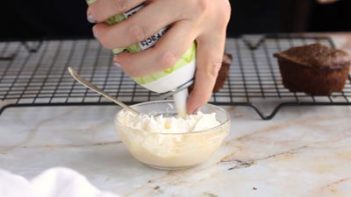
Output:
x=159 y=138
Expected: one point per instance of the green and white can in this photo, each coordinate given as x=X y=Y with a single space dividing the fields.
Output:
x=164 y=81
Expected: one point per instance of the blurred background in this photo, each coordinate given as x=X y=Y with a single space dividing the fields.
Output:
x=23 y=19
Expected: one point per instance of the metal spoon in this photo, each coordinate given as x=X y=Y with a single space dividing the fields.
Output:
x=91 y=86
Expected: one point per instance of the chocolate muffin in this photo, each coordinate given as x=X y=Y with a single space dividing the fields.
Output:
x=314 y=69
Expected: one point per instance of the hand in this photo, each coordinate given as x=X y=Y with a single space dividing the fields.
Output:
x=202 y=20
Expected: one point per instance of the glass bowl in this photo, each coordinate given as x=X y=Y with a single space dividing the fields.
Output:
x=173 y=151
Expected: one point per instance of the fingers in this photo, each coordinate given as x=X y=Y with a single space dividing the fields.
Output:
x=101 y=10
x=165 y=54
x=204 y=21
x=138 y=27
x=210 y=51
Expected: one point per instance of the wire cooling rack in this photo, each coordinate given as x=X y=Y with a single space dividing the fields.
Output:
x=34 y=73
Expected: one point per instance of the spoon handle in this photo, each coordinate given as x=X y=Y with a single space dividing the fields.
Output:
x=91 y=86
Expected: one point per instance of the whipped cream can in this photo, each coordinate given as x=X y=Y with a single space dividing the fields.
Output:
x=164 y=81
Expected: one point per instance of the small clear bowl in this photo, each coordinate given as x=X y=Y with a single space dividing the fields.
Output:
x=172 y=151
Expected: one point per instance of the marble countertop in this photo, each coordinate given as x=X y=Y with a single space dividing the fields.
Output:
x=303 y=151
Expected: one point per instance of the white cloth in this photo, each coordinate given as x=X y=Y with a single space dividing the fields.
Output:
x=55 y=182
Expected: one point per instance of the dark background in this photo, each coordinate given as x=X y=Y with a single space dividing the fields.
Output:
x=23 y=19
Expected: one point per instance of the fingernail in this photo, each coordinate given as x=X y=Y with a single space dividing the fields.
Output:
x=116 y=61
x=91 y=19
